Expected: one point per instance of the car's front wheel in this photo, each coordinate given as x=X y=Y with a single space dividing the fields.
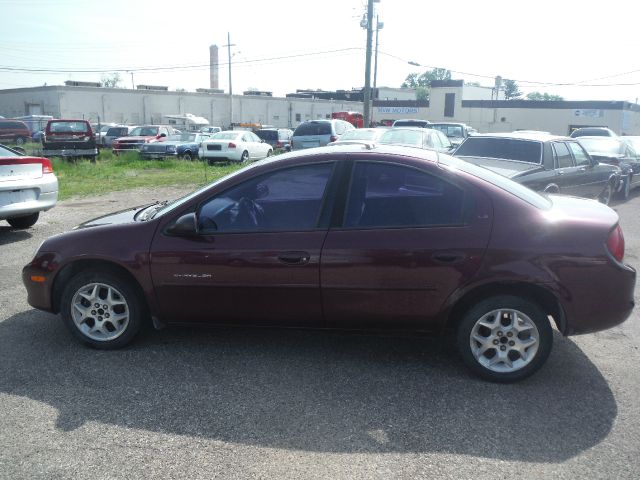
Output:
x=504 y=338
x=24 y=222
x=187 y=156
x=102 y=309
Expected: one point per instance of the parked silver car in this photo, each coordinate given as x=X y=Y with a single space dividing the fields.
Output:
x=27 y=187
x=318 y=133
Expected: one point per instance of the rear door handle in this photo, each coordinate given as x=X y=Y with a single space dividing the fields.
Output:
x=448 y=257
x=294 y=258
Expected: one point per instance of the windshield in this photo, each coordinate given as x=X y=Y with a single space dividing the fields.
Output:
x=528 y=151
x=451 y=131
x=602 y=145
x=224 y=136
x=404 y=137
x=144 y=132
x=182 y=137
x=361 y=134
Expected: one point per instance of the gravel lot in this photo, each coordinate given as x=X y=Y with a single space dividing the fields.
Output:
x=240 y=403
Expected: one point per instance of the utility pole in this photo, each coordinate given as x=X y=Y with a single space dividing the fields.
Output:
x=229 y=45
x=379 y=25
x=367 y=68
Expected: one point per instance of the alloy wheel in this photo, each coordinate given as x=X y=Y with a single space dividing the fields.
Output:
x=100 y=312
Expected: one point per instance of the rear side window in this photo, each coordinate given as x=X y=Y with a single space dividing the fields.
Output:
x=562 y=154
x=13 y=126
x=313 y=128
x=117 y=132
x=68 y=127
x=506 y=148
x=267 y=134
x=388 y=196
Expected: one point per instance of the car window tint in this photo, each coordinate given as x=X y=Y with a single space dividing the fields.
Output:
x=506 y=148
x=285 y=200
x=313 y=128
x=582 y=159
x=387 y=196
x=562 y=155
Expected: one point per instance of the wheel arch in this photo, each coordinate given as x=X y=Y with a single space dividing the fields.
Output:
x=73 y=268
x=552 y=188
x=535 y=293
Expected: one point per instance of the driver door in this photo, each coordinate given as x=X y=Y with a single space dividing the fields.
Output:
x=255 y=258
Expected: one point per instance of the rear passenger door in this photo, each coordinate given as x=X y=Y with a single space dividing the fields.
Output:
x=569 y=178
x=407 y=238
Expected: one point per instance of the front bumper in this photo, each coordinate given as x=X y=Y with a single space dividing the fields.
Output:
x=38 y=277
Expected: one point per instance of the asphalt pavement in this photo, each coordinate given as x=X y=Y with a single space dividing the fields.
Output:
x=266 y=403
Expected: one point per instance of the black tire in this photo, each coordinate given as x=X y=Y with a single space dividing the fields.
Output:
x=21 y=141
x=626 y=189
x=25 y=221
x=123 y=291
x=187 y=156
x=269 y=153
x=607 y=193
x=473 y=323
x=245 y=157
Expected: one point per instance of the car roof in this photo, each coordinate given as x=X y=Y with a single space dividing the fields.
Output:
x=540 y=137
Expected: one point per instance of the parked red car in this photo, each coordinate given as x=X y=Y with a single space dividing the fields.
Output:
x=69 y=139
x=379 y=238
x=14 y=131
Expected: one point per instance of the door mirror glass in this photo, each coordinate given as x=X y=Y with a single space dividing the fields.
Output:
x=185 y=226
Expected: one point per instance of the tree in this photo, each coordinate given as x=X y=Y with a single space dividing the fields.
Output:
x=422 y=82
x=511 y=91
x=111 y=80
x=544 y=97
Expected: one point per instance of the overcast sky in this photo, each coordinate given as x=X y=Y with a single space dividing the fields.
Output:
x=284 y=45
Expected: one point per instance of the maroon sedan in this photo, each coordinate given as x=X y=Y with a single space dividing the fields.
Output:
x=383 y=238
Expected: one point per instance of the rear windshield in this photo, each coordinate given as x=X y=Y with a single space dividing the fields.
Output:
x=528 y=151
x=5 y=152
x=591 y=132
x=224 y=136
x=144 y=132
x=404 y=137
x=313 y=128
x=451 y=131
x=267 y=134
x=68 y=127
x=410 y=123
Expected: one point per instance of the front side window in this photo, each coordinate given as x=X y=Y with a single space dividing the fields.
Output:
x=285 y=200
x=390 y=196
x=582 y=159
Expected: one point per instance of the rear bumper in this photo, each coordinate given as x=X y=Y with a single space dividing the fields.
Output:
x=601 y=300
x=220 y=155
x=70 y=152
x=26 y=197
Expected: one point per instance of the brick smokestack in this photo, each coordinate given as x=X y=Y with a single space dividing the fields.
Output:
x=213 y=66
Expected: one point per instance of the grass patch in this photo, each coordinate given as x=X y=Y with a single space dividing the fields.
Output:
x=114 y=173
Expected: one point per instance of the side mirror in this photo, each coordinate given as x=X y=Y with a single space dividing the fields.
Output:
x=162 y=135
x=185 y=226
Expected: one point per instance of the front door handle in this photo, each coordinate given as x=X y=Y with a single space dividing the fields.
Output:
x=294 y=258
x=448 y=257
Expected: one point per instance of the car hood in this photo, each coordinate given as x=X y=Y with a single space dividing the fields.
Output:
x=137 y=138
x=506 y=168
x=115 y=218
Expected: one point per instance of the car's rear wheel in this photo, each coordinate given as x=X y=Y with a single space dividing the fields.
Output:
x=21 y=141
x=607 y=193
x=245 y=156
x=626 y=188
x=25 y=221
x=504 y=338
x=102 y=309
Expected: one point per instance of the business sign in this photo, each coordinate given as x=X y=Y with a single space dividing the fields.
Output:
x=398 y=110
x=588 y=112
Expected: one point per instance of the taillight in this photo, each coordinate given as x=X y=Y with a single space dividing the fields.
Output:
x=46 y=166
x=333 y=138
x=231 y=145
x=615 y=243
